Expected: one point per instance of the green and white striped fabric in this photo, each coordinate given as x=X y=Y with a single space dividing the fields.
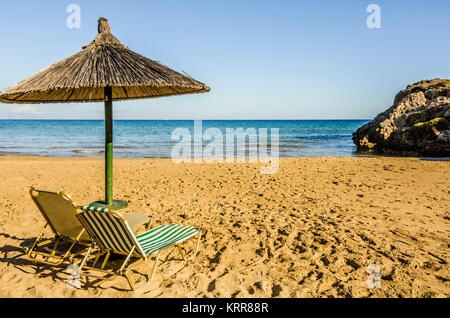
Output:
x=108 y=229
x=112 y=233
x=93 y=208
x=164 y=235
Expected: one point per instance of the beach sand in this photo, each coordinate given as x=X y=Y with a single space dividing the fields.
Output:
x=310 y=230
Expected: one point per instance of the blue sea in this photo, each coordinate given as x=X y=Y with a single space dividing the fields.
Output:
x=152 y=138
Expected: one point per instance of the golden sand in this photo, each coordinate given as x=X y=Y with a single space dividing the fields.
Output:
x=310 y=230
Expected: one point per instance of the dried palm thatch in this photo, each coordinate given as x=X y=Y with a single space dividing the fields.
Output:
x=105 y=62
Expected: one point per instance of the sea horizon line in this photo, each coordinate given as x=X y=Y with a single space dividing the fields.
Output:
x=135 y=119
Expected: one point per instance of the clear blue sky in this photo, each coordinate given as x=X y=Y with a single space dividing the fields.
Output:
x=262 y=59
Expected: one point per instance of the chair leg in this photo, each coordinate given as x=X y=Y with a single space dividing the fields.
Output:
x=181 y=252
x=55 y=247
x=35 y=242
x=45 y=243
x=127 y=276
x=197 y=245
x=83 y=262
x=149 y=224
x=125 y=262
x=154 y=268
x=105 y=260
x=30 y=250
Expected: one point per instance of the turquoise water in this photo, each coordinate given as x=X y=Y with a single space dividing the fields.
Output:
x=152 y=138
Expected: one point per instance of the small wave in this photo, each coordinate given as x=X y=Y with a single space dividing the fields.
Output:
x=88 y=151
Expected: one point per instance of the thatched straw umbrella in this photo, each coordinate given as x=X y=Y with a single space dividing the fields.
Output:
x=104 y=71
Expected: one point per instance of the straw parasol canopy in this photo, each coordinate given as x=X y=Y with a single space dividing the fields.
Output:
x=105 y=62
x=103 y=71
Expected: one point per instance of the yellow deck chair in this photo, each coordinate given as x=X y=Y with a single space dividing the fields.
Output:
x=112 y=234
x=59 y=210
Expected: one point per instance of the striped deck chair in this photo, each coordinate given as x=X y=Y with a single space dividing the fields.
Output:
x=111 y=233
x=59 y=210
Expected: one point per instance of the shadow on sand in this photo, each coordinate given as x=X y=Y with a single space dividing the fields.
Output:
x=16 y=256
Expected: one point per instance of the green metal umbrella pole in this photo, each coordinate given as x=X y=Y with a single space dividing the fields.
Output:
x=102 y=68
x=109 y=201
x=108 y=147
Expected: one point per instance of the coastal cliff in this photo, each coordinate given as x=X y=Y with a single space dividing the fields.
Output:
x=416 y=124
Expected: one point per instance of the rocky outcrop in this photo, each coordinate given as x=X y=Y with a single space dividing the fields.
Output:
x=416 y=124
